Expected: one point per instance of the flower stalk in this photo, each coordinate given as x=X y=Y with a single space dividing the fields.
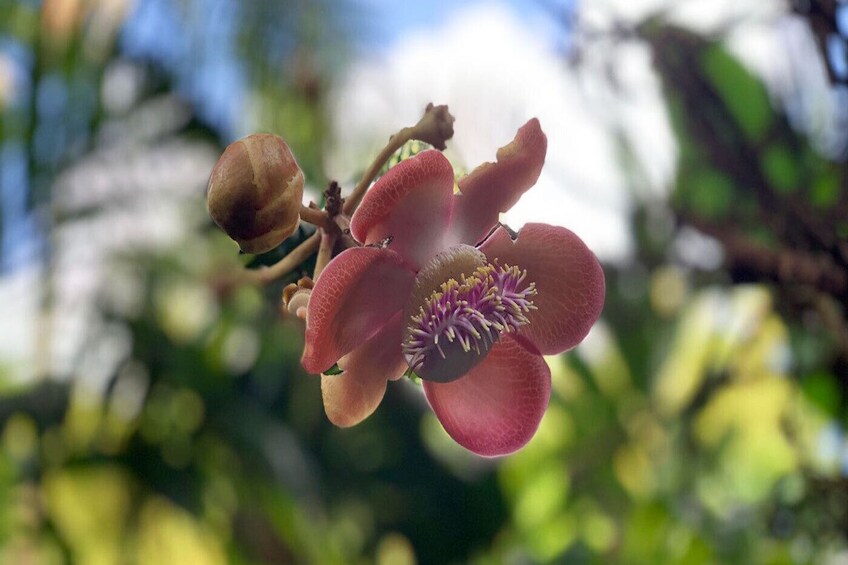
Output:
x=315 y=216
x=325 y=250
x=285 y=265
x=435 y=128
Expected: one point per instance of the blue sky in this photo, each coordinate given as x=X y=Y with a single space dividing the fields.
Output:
x=214 y=79
x=393 y=19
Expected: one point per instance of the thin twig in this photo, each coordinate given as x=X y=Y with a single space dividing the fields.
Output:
x=435 y=127
x=749 y=260
x=285 y=265
x=314 y=216
x=395 y=143
x=325 y=251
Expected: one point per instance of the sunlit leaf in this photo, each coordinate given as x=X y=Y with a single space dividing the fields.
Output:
x=740 y=90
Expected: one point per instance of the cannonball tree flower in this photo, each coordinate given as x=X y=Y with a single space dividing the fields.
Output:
x=441 y=288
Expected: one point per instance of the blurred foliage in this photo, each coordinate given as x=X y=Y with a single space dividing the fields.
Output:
x=703 y=423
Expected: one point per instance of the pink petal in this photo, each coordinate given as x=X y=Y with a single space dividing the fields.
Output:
x=411 y=204
x=569 y=281
x=352 y=396
x=496 y=408
x=356 y=294
x=493 y=188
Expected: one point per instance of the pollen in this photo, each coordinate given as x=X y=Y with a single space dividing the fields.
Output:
x=470 y=313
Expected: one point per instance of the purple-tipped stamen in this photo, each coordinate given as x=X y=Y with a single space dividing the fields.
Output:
x=471 y=311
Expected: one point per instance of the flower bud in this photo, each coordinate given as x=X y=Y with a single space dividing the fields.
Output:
x=296 y=297
x=255 y=192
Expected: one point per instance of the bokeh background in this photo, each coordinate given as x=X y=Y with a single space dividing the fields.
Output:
x=698 y=146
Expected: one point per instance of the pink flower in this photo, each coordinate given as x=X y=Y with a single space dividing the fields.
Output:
x=470 y=308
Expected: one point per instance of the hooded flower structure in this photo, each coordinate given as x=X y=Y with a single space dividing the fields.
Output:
x=441 y=287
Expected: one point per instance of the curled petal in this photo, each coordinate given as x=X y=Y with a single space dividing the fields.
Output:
x=356 y=294
x=409 y=204
x=493 y=188
x=496 y=408
x=569 y=283
x=352 y=396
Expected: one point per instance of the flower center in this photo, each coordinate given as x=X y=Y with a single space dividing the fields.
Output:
x=458 y=324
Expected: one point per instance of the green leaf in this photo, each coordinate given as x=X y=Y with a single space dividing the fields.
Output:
x=825 y=191
x=823 y=391
x=409 y=149
x=410 y=374
x=742 y=93
x=334 y=370
x=781 y=169
x=708 y=192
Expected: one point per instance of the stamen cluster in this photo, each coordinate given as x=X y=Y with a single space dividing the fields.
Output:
x=471 y=311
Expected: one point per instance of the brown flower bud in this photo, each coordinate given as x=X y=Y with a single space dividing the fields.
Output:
x=255 y=192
